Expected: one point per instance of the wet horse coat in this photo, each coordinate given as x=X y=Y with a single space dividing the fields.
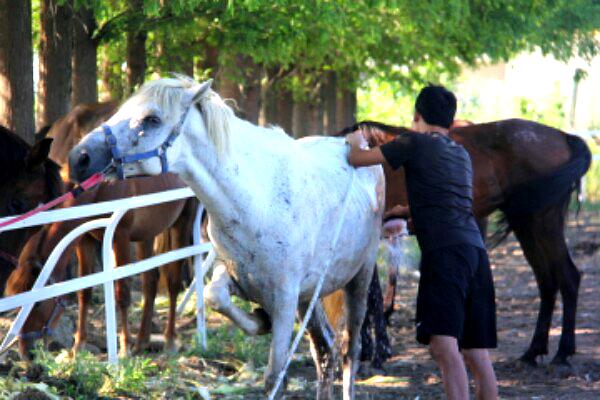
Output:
x=273 y=205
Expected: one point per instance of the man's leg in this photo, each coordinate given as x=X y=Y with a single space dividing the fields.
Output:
x=478 y=361
x=445 y=352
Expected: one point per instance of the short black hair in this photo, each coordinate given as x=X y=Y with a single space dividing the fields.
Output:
x=437 y=105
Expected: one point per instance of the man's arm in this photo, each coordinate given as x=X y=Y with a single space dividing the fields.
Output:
x=359 y=157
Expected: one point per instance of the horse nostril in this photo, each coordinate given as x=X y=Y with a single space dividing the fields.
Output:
x=84 y=159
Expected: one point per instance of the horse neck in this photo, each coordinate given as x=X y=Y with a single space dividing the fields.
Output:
x=225 y=183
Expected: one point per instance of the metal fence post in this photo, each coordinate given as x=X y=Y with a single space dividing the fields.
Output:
x=108 y=263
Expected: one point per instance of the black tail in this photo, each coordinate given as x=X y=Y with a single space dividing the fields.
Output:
x=550 y=190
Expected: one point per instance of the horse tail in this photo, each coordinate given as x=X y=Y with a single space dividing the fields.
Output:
x=553 y=189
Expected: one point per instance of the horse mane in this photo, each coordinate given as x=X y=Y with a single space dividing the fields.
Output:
x=169 y=94
x=13 y=153
x=389 y=129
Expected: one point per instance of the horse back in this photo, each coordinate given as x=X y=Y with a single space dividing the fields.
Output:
x=68 y=130
x=521 y=159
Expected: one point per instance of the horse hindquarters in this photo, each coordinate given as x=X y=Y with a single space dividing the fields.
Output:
x=542 y=239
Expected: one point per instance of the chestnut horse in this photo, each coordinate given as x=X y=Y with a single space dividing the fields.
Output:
x=141 y=226
x=65 y=133
x=527 y=171
x=27 y=178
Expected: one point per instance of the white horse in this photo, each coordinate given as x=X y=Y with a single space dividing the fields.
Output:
x=273 y=202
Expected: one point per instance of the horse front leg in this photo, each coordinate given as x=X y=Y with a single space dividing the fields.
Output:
x=356 y=305
x=149 y=289
x=282 y=311
x=217 y=295
x=122 y=292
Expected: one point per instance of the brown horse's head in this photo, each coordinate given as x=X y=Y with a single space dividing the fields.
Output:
x=27 y=178
x=45 y=314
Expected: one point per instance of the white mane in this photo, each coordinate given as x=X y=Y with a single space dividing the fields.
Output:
x=169 y=94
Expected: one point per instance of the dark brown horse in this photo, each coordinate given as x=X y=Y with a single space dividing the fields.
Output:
x=527 y=171
x=27 y=178
x=140 y=226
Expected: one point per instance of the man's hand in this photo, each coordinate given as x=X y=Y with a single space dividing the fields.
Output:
x=359 y=154
x=356 y=139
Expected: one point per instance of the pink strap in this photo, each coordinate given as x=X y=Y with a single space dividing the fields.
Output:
x=85 y=185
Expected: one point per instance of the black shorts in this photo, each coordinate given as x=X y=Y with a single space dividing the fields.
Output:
x=456 y=297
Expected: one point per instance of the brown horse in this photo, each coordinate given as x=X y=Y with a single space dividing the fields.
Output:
x=66 y=132
x=527 y=171
x=140 y=226
x=27 y=178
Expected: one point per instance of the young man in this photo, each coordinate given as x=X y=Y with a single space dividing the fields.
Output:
x=456 y=309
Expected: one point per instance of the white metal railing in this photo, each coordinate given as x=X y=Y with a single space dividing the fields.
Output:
x=116 y=209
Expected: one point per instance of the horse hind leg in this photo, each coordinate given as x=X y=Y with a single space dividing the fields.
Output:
x=322 y=338
x=356 y=306
x=375 y=314
x=217 y=295
x=537 y=242
x=569 y=279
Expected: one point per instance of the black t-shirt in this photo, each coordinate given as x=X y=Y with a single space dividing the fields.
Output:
x=439 y=184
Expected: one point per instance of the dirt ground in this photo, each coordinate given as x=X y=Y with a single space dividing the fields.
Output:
x=410 y=373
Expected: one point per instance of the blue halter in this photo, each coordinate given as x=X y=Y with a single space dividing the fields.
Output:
x=119 y=160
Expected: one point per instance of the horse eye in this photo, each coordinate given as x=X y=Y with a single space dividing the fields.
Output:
x=151 y=120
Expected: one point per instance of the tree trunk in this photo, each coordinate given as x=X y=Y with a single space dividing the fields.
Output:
x=208 y=65
x=56 y=43
x=251 y=89
x=285 y=110
x=85 y=72
x=16 y=68
x=136 y=52
x=228 y=87
x=346 y=108
x=302 y=119
x=239 y=79
x=329 y=97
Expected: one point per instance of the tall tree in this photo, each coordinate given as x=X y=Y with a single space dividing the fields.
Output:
x=16 y=68
x=56 y=43
x=136 y=50
x=85 y=72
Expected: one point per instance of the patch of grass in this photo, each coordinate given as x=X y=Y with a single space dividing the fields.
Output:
x=228 y=340
x=130 y=377
x=78 y=377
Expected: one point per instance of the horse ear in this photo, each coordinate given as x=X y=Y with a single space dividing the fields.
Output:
x=38 y=153
x=198 y=91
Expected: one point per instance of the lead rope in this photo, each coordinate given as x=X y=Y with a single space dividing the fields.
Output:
x=71 y=194
x=315 y=297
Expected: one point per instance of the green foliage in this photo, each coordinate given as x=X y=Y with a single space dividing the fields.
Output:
x=551 y=115
x=403 y=42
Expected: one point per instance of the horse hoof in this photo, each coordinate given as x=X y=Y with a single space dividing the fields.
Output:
x=264 y=321
x=528 y=360
x=560 y=360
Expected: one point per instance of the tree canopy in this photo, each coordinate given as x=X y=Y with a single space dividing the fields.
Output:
x=400 y=41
